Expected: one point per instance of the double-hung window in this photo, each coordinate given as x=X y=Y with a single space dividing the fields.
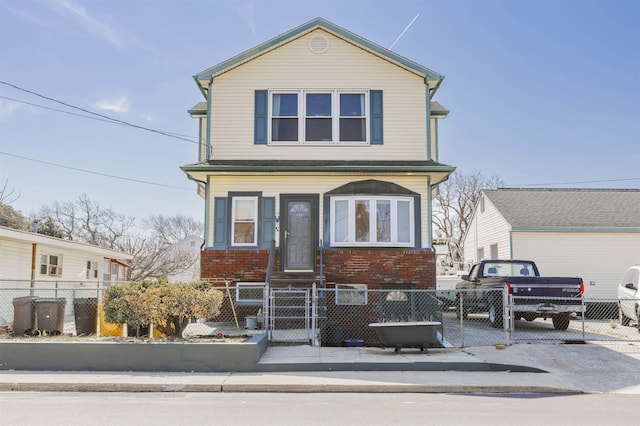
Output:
x=319 y=117
x=372 y=221
x=92 y=269
x=51 y=265
x=244 y=221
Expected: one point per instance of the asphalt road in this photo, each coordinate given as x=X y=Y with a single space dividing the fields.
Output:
x=267 y=409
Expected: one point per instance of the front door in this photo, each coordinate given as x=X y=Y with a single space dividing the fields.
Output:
x=298 y=233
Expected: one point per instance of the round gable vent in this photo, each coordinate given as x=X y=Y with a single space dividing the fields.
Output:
x=318 y=44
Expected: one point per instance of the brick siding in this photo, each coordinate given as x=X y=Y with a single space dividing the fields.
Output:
x=374 y=267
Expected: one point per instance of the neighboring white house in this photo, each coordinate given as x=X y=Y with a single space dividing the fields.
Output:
x=590 y=233
x=189 y=246
x=27 y=256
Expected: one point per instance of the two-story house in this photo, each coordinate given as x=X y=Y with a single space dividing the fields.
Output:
x=324 y=145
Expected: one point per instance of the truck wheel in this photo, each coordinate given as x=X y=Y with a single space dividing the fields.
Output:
x=624 y=320
x=561 y=321
x=465 y=311
x=495 y=313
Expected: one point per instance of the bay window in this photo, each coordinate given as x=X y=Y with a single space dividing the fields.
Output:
x=372 y=221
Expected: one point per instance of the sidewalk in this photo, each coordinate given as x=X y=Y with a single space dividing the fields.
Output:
x=522 y=368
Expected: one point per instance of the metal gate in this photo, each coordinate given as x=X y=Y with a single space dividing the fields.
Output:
x=293 y=315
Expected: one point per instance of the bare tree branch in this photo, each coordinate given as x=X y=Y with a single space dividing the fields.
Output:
x=454 y=203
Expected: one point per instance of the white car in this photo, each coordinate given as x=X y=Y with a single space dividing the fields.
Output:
x=629 y=296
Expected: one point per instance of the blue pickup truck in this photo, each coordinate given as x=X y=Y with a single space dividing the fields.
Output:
x=534 y=296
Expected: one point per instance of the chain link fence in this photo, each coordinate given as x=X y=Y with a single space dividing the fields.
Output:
x=344 y=315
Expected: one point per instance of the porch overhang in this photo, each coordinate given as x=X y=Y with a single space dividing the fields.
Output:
x=437 y=171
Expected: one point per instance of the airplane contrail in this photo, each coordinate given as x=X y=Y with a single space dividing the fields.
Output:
x=404 y=31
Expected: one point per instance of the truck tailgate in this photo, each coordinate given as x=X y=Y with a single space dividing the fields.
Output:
x=558 y=290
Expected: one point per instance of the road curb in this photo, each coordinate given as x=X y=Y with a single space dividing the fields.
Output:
x=278 y=388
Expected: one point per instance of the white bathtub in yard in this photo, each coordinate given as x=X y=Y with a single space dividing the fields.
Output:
x=412 y=334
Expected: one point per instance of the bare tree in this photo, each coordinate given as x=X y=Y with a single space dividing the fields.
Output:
x=153 y=259
x=454 y=203
x=88 y=222
x=173 y=229
x=156 y=251
x=9 y=216
x=7 y=196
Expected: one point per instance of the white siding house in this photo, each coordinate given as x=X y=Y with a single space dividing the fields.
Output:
x=28 y=256
x=590 y=233
x=188 y=247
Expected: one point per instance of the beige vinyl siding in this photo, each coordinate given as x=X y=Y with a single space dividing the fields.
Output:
x=485 y=229
x=599 y=258
x=343 y=66
x=273 y=186
x=202 y=154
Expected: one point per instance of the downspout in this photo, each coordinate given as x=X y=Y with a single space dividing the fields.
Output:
x=206 y=212
x=429 y=187
x=208 y=129
x=428 y=113
x=34 y=248
x=429 y=213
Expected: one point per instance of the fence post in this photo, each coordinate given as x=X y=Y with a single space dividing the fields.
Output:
x=584 y=312
x=509 y=322
x=461 y=307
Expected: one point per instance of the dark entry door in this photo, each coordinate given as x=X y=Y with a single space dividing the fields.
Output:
x=298 y=233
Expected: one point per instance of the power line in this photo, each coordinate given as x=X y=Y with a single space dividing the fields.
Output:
x=95 y=173
x=576 y=183
x=115 y=120
x=83 y=116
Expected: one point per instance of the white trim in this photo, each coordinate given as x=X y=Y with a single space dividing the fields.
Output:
x=355 y=293
x=351 y=239
x=251 y=285
x=254 y=201
x=335 y=116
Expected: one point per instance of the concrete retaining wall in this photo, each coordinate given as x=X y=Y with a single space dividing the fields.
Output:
x=132 y=356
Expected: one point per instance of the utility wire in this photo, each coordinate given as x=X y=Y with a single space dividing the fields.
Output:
x=83 y=116
x=96 y=173
x=574 y=183
x=115 y=120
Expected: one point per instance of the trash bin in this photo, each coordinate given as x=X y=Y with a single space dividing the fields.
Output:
x=50 y=315
x=142 y=331
x=251 y=322
x=24 y=314
x=85 y=312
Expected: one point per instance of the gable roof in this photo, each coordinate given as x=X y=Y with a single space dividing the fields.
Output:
x=569 y=209
x=203 y=77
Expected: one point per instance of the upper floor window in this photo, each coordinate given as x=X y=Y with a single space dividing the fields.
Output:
x=318 y=117
x=372 y=221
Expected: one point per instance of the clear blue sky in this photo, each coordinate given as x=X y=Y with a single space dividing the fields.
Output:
x=541 y=93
